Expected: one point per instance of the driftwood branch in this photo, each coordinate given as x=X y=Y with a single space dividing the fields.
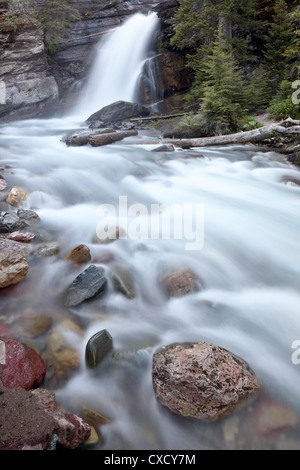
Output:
x=256 y=135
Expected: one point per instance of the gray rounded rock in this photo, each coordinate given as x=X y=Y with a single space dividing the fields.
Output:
x=89 y=284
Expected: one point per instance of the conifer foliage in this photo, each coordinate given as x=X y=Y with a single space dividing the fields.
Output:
x=245 y=57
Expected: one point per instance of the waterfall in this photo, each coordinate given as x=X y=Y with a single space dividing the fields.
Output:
x=119 y=62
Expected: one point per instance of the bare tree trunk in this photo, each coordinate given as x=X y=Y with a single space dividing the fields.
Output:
x=256 y=135
x=225 y=25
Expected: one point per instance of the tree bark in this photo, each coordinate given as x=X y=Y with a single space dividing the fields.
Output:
x=256 y=135
x=106 y=139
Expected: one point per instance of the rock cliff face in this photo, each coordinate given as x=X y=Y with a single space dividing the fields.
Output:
x=27 y=88
x=35 y=86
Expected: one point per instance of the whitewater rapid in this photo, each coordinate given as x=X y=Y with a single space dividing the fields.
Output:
x=249 y=264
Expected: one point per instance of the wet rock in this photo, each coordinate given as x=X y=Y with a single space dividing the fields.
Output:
x=89 y=284
x=93 y=418
x=291 y=180
x=61 y=354
x=30 y=217
x=71 y=430
x=13 y=268
x=3 y=184
x=272 y=417
x=110 y=234
x=34 y=325
x=23 y=366
x=22 y=248
x=94 y=438
x=179 y=282
x=10 y=222
x=32 y=421
x=25 y=237
x=97 y=348
x=201 y=380
x=119 y=111
x=17 y=196
x=79 y=254
x=46 y=249
x=164 y=148
x=104 y=257
x=122 y=280
x=24 y=426
x=4 y=330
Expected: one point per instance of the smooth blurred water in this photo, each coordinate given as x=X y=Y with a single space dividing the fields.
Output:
x=249 y=264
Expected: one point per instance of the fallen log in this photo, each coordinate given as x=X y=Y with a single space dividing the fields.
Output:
x=106 y=139
x=253 y=136
x=82 y=138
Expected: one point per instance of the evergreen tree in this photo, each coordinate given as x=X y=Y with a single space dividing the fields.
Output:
x=277 y=41
x=222 y=106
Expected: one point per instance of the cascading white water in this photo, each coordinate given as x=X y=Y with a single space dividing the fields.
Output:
x=119 y=62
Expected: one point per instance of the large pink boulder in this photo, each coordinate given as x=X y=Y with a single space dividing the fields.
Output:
x=201 y=380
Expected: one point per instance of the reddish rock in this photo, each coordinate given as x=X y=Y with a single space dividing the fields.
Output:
x=30 y=420
x=179 y=282
x=24 y=237
x=4 y=330
x=23 y=366
x=104 y=257
x=201 y=380
x=71 y=430
x=273 y=417
x=3 y=184
x=23 y=425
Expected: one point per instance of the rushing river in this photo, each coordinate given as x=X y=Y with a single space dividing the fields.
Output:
x=249 y=264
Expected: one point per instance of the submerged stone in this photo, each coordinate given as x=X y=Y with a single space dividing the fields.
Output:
x=47 y=249
x=179 y=282
x=122 y=280
x=89 y=284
